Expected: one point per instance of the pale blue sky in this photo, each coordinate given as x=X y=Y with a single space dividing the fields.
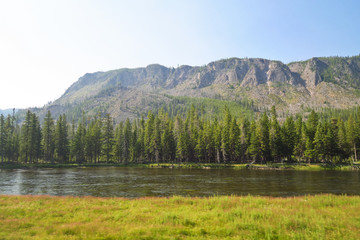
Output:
x=47 y=45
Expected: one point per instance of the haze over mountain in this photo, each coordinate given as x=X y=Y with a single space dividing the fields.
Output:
x=127 y=93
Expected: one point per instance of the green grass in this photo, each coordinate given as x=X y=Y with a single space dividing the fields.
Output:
x=270 y=166
x=227 y=217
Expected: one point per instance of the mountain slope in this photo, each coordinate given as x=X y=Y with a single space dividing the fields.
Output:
x=252 y=83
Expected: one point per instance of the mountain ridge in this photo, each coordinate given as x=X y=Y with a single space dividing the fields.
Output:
x=127 y=92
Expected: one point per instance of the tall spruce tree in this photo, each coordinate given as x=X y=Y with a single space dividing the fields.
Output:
x=108 y=138
x=61 y=139
x=264 y=138
x=225 y=136
x=289 y=138
x=127 y=142
x=119 y=142
x=48 y=138
x=276 y=144
x=3 y=137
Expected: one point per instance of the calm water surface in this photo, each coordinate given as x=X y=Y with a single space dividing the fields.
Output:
x=141 y=182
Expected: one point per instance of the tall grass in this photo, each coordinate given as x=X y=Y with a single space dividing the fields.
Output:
x=226 y=217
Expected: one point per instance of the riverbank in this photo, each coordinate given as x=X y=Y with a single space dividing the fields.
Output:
x=273 y=166
x=307 y=217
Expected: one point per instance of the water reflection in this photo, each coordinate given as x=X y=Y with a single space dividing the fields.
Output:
x=140 y=182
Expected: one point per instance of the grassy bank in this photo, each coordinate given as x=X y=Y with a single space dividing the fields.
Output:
x=309 y=217
x=274 y=166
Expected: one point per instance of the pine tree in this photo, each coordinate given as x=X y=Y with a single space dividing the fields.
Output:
x=25 y=144
x=10 y=144
x=61 y=139
x=264 y=138
x=168 y=143
x=254 y=145
x=209 y=141
x=245 y=136
x=345 y=149
x=300 y=143
x=276 y=145
x=352 y=135
x=78 y=143
x=289 y=137
x=318 y=143
x=48 y=141
x=35 y=145
x=119 y=142
x=156 y=140
x=108 y=138
x=330 y=141
x=148 y=135
x=2 y=137
x=311 y=128
x=234 y=138
x=225 y=136
x=217 y=141
x=182 y=148
x=127 y=142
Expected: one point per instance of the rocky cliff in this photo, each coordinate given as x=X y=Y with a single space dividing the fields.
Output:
x=318 y=82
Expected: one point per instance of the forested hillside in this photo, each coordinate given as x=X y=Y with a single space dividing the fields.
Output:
x=191 y=138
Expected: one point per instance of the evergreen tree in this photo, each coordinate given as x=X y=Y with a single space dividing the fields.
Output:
x=209 y=141
x=108 y=138
x=35 y=138
x=11 y=144
x=254 y=145
x=3 y=137
x=234 y=138
x=148 y=135
x=344 y=148
x=78 y=143
x=61 y=139
x=217 y=141
x=311 y=128
x=319 y=144
x=331 y=149
x=300 y=143
x=127 y=142
x=156 y=140
x=48 y=140
x=352 y=135
x=264 y=138
x=276 y=145
x=119 y=142
x=245 y=136
x=168 y=143
x=289 y=137
x=225 y=136
x=25 y=144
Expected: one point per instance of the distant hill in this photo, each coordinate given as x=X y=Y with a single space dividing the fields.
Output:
x=249 y=84
x=6 y=112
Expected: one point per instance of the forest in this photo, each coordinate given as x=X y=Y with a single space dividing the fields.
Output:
x=191 y=138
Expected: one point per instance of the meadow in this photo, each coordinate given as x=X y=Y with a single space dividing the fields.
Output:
x=218 y=217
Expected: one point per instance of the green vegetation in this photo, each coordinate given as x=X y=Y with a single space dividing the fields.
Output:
x=208 y=108
x=193 y=138
x=308 y=217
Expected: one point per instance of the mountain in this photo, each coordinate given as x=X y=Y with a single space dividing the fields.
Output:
x=6 y=112
x=251 y=83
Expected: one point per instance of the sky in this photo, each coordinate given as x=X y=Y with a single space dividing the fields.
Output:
x=46 y=45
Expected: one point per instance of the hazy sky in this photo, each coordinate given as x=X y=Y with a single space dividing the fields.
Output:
x=45 y=46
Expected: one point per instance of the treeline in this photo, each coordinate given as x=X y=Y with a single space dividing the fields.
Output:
x=193 y=138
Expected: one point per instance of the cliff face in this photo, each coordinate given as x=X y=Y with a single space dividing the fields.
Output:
x=318 y=82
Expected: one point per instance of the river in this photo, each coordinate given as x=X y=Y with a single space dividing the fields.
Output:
x=161 y=182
